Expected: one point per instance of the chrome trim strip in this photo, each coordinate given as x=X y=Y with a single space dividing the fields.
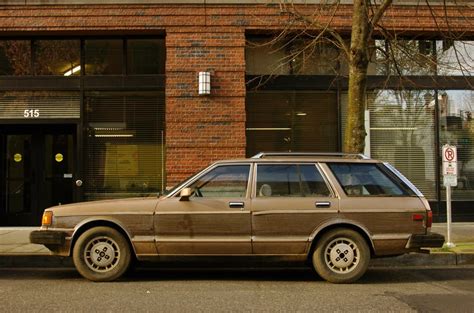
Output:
x=404 y=179
x=143 y=239
x=261 y=239
x=201 y=212
x=391 y=236
x=312 y=211
x=102 y=214
x=165 y=239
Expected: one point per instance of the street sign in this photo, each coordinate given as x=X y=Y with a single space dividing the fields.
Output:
x=450 y=165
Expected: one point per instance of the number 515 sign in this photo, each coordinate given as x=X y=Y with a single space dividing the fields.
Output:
x=32 y=113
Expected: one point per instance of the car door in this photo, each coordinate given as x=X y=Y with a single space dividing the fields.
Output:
x=215 y=220
x=290 y=201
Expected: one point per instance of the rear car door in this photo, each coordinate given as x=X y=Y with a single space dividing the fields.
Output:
x=290 y=200
x=215 y=220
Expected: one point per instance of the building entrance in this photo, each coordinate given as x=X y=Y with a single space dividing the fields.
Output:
x=37 y=167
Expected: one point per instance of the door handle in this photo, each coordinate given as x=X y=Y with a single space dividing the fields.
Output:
x=325 y=204
x=236 y=205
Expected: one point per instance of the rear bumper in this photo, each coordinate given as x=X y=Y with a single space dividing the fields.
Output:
x=48 y=237
x=431 y=240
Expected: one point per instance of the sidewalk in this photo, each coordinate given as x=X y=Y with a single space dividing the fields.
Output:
x=16 y=250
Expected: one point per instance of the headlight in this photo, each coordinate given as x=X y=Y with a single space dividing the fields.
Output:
x=47 y=219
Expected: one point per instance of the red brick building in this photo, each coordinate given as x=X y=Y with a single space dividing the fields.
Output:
x=106 y=93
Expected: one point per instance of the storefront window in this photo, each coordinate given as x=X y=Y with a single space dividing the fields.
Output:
x=146 y=56
x=103 y=56
x=57 y=57
x=125 y=144
x=457 y=128
x=15 y=57
x=401 y=130
x=299 y=121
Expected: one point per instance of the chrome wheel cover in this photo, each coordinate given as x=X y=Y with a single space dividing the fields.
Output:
x=101 y=254
x=342 y=255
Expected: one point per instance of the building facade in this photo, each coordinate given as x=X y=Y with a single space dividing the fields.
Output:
x=99 y=99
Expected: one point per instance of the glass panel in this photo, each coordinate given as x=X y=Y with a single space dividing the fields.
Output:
x=19 y=173
x=291 y=121
x=57 y=57
x=365 y=180
x=403 y=57
x=59 y=167
x=457 y=128
x=401 y=131
x=146 y=56
x=290 y=181
x=15 y=57
x=125 y=144
x=455 y=58
x=223 y=182
x=103 y=56
x=299 y=56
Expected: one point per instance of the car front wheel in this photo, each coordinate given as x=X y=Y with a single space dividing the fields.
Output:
x=341 y=256
x=101 y=254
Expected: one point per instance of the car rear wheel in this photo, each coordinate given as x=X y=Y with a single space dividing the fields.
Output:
x=341 y=256
x=101 y=254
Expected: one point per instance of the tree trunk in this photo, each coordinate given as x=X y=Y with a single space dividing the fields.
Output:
x=354 y=137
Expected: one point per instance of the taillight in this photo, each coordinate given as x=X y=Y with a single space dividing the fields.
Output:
x=429 y=218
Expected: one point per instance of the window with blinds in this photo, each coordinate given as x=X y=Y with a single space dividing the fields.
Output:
x=124 y=147
x=401 y=130
x=291 y=121
x=34 y=105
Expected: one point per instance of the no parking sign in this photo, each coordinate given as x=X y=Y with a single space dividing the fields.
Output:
x=450 y=166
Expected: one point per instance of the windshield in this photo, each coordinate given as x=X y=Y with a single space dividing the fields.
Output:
x=175 y=187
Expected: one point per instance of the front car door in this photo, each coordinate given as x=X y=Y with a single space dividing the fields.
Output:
x=290 y=201
x=215 y=220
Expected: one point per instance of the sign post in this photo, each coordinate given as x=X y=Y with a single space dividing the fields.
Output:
x=450 y=179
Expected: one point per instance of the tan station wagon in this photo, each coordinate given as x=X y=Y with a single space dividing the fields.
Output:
x=334 y=210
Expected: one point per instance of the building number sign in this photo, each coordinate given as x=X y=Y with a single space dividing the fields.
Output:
x=31 y=113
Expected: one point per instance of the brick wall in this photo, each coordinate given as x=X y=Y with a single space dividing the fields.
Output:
x=206 y=38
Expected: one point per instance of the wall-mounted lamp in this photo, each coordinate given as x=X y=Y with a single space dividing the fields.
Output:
x=204 y=83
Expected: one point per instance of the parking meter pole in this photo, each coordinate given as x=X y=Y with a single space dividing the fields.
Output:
x=449 y=244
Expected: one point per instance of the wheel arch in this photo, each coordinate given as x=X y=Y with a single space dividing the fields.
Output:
x=323 y=229
x=91 y=223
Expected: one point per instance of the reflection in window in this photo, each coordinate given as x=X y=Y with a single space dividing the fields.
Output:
x=15 y=57
x=291 y=57
x=400 y=130
x=146 y=56
x=457 y=128
x=57 y=57
x=103 y=56
x=224 y=182
x=455 y=58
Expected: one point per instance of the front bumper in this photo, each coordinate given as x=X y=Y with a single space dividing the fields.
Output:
x=48 y=237
x=431 y=240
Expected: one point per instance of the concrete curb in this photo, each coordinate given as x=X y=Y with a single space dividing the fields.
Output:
x=407 y=260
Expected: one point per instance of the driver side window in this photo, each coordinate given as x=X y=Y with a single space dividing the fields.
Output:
x=226 y=181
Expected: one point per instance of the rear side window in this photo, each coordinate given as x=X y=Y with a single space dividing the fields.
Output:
x=290 y=180
x=366 y=180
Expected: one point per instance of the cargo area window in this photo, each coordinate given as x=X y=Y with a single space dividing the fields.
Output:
x=366 y=180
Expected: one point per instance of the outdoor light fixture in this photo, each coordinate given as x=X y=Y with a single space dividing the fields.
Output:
x=204 y=83
x=73 y=70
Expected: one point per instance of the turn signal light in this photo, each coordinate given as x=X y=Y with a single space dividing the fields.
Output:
x=47 y=218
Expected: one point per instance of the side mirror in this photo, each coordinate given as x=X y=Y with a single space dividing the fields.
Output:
x=185 y=194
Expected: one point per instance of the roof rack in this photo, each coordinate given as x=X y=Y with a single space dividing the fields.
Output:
x=263 y=155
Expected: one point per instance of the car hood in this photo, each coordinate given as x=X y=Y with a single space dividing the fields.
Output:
x=104 y=207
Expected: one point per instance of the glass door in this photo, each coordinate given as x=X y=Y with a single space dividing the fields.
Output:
x=37 y=166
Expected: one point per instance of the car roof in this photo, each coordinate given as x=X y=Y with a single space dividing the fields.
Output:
x=273 y=157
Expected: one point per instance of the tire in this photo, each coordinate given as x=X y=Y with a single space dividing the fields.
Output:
x=341 y=256
x=101 y=254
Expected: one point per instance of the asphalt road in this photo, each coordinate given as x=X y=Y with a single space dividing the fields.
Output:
x=238 y=290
